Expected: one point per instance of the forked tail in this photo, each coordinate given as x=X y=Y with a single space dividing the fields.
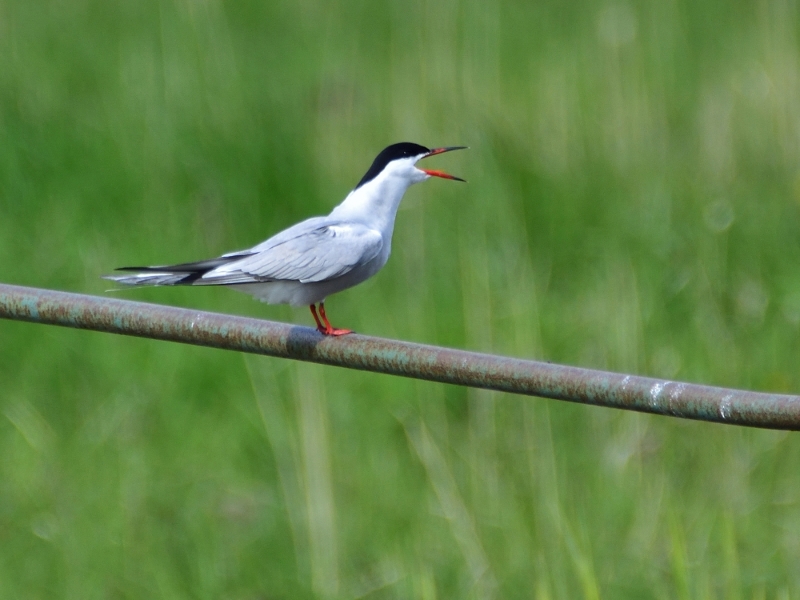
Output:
x=182 y=274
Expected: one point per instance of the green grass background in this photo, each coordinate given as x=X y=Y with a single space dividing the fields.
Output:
x=633 y=204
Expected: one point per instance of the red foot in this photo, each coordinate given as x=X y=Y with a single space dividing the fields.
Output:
x=333 y=331
x=327 y=328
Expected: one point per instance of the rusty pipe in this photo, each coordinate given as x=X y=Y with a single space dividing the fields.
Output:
x=532 y=378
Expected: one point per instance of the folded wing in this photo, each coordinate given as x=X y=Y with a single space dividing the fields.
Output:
x=310 y=251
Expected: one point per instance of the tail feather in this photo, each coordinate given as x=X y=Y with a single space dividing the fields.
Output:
x=181 y=274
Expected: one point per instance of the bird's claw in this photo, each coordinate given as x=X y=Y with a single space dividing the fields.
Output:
x=332 y=331
x=324 y=326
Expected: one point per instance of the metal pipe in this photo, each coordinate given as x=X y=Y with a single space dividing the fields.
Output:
x=533 y=378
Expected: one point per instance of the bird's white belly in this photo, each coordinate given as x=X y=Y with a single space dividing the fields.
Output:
x=298 y=293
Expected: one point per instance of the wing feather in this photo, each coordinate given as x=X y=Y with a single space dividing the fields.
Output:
x=311 y=251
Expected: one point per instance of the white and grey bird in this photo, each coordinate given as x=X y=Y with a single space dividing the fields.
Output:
x=320 y=256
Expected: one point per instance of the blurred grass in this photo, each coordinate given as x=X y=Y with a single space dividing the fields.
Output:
x=633 y=205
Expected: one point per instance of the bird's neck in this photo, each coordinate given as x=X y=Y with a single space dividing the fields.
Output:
x=374 y=203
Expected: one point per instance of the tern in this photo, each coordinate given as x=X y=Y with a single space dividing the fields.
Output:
x=306 y=263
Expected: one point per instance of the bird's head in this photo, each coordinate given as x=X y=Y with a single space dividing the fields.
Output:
x=399 y=160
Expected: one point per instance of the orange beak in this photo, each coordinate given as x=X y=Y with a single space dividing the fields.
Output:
x=442 y=174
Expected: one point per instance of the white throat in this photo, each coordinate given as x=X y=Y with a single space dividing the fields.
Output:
x=375 y=203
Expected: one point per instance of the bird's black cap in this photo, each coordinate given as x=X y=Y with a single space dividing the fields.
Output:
x=390 y=153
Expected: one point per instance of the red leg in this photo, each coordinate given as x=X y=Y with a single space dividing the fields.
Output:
x=329 y=330
x=320 y=326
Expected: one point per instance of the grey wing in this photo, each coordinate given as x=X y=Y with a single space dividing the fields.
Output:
x=311 y=251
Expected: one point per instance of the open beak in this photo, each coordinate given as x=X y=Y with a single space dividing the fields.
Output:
x=442 y=174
